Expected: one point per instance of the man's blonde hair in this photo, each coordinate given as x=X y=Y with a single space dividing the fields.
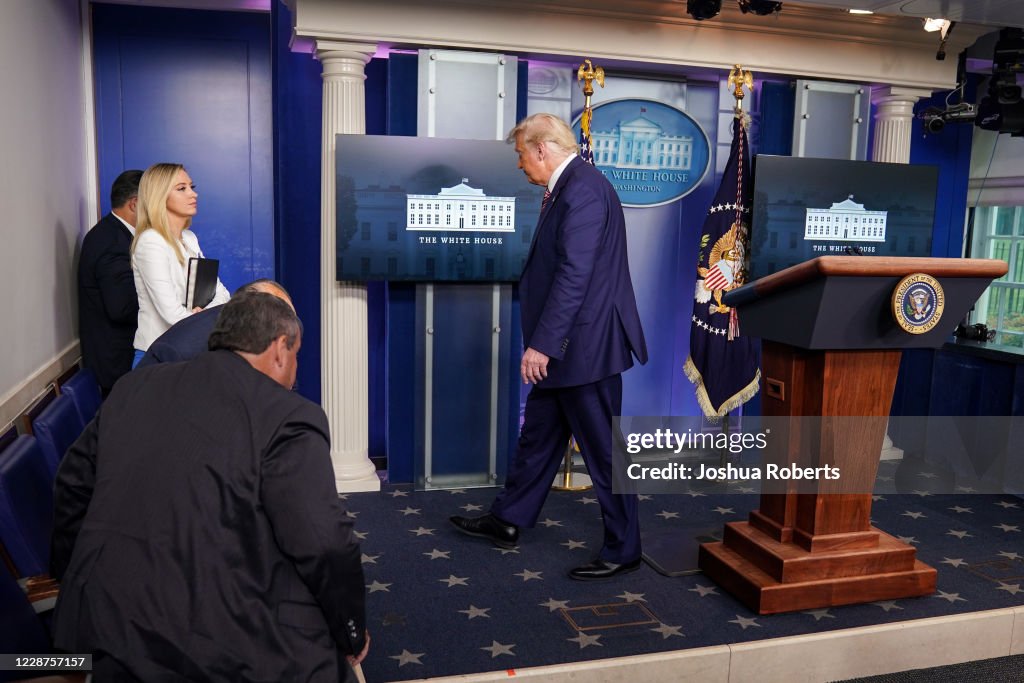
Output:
x=549 y=128
x=154 y=189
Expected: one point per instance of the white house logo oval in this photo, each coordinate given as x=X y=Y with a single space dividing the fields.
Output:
x=917 y=303
x=651 y=152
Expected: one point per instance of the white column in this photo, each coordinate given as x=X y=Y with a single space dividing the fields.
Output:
x=893 y=118
x=343 y=338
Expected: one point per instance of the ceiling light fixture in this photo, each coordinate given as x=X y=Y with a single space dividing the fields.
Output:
x=859 y=11
x=760 y=7
x=933 y=25
x=703 y=9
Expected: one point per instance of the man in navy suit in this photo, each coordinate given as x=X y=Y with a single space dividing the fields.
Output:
x=188 y=337
x=107 y=303
x=197 y=532
x=581 y=330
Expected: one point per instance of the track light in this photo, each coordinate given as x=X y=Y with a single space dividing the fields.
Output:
x=707 y=9
x=703 y=9
x=760 y=7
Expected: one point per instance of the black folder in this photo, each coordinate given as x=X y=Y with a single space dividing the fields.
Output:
x=201 y=285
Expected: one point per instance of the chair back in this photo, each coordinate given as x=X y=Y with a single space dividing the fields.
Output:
x=56 y=428
x=84 y=391
x=21 y=629
x=26 y=507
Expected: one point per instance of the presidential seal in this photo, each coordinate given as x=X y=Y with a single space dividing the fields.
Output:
x=917 y=303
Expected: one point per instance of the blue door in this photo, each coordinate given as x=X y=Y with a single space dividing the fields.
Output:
x=193 y=87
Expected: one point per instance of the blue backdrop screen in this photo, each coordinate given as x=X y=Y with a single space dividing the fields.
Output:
x=432 y=209
x=805 y=208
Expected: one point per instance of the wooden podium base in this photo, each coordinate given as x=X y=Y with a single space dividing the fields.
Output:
x=770 y=576
x=831 y=352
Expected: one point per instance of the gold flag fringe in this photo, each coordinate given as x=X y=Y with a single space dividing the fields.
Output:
x=735 y=401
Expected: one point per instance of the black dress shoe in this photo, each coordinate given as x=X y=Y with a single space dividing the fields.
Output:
x=603 y=569
x=501 y=534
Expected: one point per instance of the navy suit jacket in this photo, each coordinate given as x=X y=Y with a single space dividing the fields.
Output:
x=185 y=339
x=107 y=304
x=576 y=295
x=198 y=534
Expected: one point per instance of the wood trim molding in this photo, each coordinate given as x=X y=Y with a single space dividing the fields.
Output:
x=15 y=401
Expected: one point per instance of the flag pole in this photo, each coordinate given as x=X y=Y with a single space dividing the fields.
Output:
x=722 y=364
x=586 y=74
x=738 y=78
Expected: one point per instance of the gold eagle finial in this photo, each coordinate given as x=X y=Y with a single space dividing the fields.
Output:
x=738 y=78
x=588 y=74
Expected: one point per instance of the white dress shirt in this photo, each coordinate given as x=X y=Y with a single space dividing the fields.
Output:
x=160 y=283
x=131 y=228
x=553 y=180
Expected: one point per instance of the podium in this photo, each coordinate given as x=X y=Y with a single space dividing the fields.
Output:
x=831 y=350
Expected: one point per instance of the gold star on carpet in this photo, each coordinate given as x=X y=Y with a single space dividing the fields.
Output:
x=497 y=648
x=408 y=658
x=584 y=640
x=474 y=612
x=665 y=630
x=744 y=622
x=453 y=580
x=553 y=604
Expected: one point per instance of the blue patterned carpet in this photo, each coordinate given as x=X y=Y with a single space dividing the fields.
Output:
x=441 y=603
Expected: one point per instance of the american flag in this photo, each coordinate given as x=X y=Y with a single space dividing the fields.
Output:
x=719 y=276
x=586 y=147
x=722 y=364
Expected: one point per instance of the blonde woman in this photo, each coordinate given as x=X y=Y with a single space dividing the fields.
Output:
x=161 y=250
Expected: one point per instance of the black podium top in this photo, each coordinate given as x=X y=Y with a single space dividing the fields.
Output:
x=845 y=302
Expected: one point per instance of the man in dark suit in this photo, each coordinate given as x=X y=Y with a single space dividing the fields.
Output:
x=107 y=303
x=581 y=330
x=187 y=338
x=197 y=533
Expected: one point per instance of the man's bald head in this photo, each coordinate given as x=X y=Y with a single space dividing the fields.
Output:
x=268 y=286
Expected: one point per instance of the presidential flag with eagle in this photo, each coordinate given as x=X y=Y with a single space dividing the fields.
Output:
x=723 y=365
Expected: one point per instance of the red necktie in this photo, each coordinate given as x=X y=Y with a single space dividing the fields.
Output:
x=544 y=202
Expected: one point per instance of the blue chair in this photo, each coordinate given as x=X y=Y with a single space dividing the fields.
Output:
x=26 y=506
x=21 y=629
x=84 y=392
x=56 y=428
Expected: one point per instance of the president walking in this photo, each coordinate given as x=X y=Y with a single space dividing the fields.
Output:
x=581 y=330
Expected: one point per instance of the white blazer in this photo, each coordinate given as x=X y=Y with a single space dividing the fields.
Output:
x=160 y=283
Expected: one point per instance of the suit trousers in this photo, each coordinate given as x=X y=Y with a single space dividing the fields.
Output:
x=552 y=415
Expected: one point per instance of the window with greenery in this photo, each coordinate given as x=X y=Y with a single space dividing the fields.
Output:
x=999 y=233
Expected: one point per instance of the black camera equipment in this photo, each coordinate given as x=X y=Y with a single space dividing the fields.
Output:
x=703 y=9
x=1002 y=108
x=975 y=332
x=935 y=119
x=760 y=7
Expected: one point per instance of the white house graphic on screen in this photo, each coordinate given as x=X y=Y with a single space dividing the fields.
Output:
x=641 y=143
x=846 y=221
x=460 y=208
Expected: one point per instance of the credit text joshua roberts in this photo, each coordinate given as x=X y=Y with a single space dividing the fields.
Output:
x=730 y=472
